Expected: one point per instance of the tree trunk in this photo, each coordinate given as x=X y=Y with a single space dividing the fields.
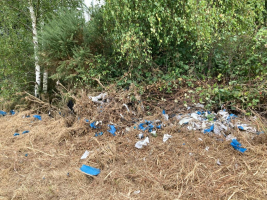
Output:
x=35 y=43
x=45 y=81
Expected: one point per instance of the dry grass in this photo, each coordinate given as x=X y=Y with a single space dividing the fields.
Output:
x=181 y=168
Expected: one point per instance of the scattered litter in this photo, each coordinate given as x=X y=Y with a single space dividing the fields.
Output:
x=85 y=155
x=190 y=154
x=16 y=134
x=237 y=146
x=207 y=148
x=166 y=137
x=142 y=143
x=154 y=133
x=140 y=135
x=230 y=137
x=199 y=105
x=260 y=132
x=185 y=120
x=98 y=134
x=25 y=132
x=183 y=143
x=26 y=155
x=245 y=127
x=209 y=129
x=68 y=174
x=112 y=129
x=89 y=170
x=200 y=139
x=126 y=107
x=99 y=99
x=3 y=113
x=37 y=117
x=92 y=125
x=86 y=120
x=12 y=112
x=218 y=162
x=137 y=192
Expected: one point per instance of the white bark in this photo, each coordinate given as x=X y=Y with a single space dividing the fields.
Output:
x=35 y=43
x=45 y=81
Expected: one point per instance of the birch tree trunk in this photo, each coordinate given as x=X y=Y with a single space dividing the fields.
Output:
x=45 y=81
x=35 y=43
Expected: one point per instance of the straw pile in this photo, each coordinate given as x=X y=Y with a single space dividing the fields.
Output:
x=44 y=163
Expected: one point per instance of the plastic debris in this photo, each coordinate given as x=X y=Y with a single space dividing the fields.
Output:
x=25 y=132
x=230 y=137
x=89 y=170
x=154 y=133
x=209 y=129
x=92 y=125
x=219 y=127
x=207 y=148
x=137 y=192
x=37 y=117
x=166 y=116
x=185 y=120
x=237 y=146
x=3 y=113
x=85 y=155
x=26 y=155
x=142 y=143
x=260 y=132
x=200 y=139
x=112 y=129
x=245 y=127
x=140 y=135
x=12 y=112
x=166 y=137
x=16 y=134
x=98 y=134
x=86 y=120
x=218 y=162
x=199 y=105
x=99 y=99
x=126 y=107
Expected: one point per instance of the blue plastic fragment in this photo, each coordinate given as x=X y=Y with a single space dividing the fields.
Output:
x=208 y=112
x=209 y=129
x=25 y=132
x=86 y=120
x=27 y=116
x=3 y=113
x=183 y=143
x=112 y=129
x=98 y=134
x=163 y=112
x=141 y=126
x=237 y=146
x=199 y=113
x=158 y=127
x=12 y=112
x=90 y=170
x=37 y=117
x=26 y=155
x=16 y=134
x=92 y=125
x=241 y=128
x=68 y=174
x=231 y=116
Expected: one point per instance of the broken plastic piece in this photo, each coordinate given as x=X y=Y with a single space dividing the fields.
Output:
x=154 y=133
x=37 y=117
x=199 y=105
x=218 y=162
x=185 y=120
x=16 y=134
x=163 y=112
x=237 y=146
x=90 y=170
x=142 y=143
x=97 y=99
x=98 y=134
x=85 y=155
x=26 y=155
x=140 y=135
x=166 y=137
x=86 y=120
x=112 y=129
x=92 y=125
x=12 y=112
x=207 y=148
x=25 y=132
x=3 y=113
x=209 y=129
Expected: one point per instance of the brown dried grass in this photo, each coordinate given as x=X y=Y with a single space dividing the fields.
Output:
x=181 y=168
